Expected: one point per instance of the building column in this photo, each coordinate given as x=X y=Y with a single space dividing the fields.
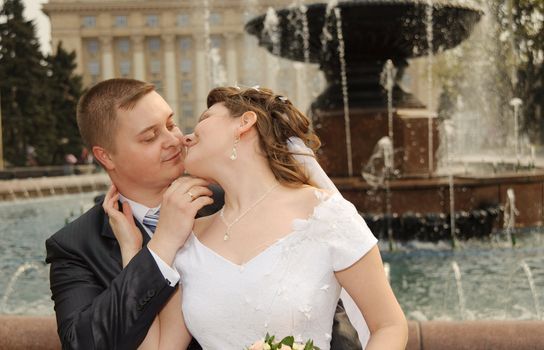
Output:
x=232 y=58
x=107 y=57
x=170 y=72
x=138 y=57
x=201 y=73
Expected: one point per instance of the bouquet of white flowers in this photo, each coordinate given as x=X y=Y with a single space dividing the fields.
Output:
x=287 y=343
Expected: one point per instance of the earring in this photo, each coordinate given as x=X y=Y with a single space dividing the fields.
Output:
x=234 y=154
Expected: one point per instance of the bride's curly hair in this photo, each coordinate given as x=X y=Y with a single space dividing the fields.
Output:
x=277 y=120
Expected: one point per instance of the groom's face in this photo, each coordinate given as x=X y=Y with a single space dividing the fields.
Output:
x=148 y=145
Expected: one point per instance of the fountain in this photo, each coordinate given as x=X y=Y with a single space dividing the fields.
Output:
x=15 y=189
x=359 y=45
x=11 y=284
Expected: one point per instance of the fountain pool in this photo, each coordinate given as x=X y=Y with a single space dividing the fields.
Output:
x=24 y=227
x=479 y=280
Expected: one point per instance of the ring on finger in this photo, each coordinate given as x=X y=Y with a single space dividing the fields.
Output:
x=191 y=195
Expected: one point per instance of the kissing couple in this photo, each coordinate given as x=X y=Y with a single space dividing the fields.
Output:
x=253 y=240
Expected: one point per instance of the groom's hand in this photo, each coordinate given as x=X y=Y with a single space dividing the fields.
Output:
x=122 y=223
x=181 y=201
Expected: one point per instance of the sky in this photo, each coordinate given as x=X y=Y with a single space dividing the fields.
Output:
x=43 y=28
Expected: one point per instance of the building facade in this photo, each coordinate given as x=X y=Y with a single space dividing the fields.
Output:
x=184 y=47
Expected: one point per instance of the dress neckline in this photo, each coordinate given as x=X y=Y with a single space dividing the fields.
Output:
x=293 y=232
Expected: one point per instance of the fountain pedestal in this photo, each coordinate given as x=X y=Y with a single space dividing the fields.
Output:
x=410 y=139
x=352 y=40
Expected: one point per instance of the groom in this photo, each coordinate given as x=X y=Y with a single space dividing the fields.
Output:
x=98 y=303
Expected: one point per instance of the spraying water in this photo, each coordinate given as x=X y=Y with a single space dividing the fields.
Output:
x=378 y=172
x=510 y=213
x=380 y=166
x=218 y=73
x=250 y=59
x=326 y=35
x=531 y=280
x=459 y=284
x=449 y=131
x=430 y=59
x=305 y=31
x=388 y=82
x=387 y=269
x=9 y=289
x=516 y=104
x=344 y=77
x=271 y=30
x=207 y=40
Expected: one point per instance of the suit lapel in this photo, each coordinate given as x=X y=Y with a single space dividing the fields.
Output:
x=115 y=251
x=144 y=233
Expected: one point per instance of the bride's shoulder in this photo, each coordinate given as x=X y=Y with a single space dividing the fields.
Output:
x=311 y=193
x=302 y=193
x=323 y=200
x=308 y=196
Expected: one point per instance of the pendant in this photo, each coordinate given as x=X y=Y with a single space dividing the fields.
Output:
x=226 y=236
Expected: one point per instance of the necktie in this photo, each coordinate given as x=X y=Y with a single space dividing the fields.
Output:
x=150 y=220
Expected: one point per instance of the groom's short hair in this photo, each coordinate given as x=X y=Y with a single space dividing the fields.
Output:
x=97 y=109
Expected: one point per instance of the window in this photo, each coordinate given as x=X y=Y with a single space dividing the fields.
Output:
x=152 y=21
x=186 y=65
x=124 y=67
x=89 y=21
x=154 y=44
x=123 y=45
x=183 y=20
x=185 y=43
x=94 y=68
x=186 y=86
x=187 y=110
x=155 y=66
x=121 y=21
x=215 y=18
x=92 y=46
x=216 y=42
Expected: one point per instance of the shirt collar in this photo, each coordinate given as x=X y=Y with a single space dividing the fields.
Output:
x=138 y=210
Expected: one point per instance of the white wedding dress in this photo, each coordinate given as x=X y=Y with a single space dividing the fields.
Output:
x=288 y=289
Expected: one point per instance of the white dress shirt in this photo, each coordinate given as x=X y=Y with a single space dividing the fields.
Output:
x=139 y=211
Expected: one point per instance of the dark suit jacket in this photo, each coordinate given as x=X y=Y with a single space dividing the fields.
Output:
x=100 y=305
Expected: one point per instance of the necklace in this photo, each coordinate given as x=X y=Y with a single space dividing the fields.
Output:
x=229 y=225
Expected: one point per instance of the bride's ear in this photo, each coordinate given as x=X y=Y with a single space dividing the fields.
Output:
x=247 y=120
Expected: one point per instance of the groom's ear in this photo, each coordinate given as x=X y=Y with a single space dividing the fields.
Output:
x=247 y=120
x=103 y=156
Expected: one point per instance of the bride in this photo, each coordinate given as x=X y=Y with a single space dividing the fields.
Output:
x=275 y=258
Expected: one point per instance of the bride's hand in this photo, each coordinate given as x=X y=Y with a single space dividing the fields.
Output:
x=122 y=223
x=180 y=204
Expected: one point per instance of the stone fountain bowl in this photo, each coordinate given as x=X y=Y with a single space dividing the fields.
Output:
x=386 y=29
x=374 y=31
